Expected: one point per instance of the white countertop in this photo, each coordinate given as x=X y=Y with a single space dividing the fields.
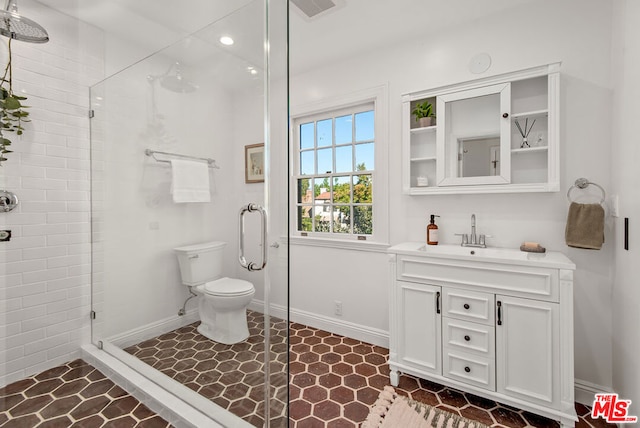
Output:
x=550 y=259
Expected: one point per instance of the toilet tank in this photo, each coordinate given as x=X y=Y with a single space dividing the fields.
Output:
x=200 y=263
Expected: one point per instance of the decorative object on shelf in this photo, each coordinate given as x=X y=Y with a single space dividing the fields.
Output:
x=422 y=181
x=525 y=132
x=254 y=163
x=12 y=111
x=424 y=114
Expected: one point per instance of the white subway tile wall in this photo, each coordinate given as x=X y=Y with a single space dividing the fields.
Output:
x=45 y=290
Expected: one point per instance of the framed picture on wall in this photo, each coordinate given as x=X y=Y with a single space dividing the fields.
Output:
x=254 y=163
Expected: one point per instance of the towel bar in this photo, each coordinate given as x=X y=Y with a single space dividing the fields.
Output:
x=583 y=183
x=153 y=153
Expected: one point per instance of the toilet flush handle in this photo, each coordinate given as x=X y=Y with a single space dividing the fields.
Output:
x=251 y=266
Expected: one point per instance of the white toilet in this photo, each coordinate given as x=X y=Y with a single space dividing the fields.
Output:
x=223 y=301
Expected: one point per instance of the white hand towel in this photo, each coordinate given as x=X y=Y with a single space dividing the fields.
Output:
x=190 y=181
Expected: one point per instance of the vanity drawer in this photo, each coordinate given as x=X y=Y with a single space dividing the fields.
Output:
x=470 y=337
x=469 y=368
x=468 y=305
x=514 y=280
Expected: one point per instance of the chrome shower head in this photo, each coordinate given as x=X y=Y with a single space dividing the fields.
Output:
x=177 y=83
x=17 y=27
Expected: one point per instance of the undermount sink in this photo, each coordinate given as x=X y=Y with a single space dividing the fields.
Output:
x=491 y=255
x=500 y=253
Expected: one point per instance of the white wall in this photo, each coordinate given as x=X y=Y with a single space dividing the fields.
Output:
x=137 y=221
x=625 y=182
x=578 y=33
x=44 y=283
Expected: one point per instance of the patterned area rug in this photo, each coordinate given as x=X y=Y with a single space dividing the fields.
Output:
x=391 y=410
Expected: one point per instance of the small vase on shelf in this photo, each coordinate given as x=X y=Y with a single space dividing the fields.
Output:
x=424 y=122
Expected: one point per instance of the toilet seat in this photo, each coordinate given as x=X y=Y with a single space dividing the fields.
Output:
x=228 y=287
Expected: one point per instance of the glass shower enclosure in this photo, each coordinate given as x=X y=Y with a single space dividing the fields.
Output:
x=209 y=100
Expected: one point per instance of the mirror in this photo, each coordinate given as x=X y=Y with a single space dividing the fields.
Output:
x=479 y=157
x=474 y=137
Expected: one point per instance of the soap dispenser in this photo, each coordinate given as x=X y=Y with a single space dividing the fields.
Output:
x=432 y=231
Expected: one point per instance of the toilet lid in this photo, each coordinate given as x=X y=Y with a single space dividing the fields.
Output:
x=228 y=287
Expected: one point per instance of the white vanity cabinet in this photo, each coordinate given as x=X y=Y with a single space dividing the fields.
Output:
x=476 y=145
x=528 y=346
x=494 y=322
x=419 y=327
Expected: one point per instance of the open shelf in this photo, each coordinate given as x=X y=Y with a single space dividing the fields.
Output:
x=425 y=129
x=531 y=114
x=530 y=149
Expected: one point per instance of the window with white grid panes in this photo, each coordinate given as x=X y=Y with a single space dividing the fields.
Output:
x=334 y=172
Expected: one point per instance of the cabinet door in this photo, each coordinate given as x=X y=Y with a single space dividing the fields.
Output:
x=474 y=136
x=420 y=326
x=527 y=349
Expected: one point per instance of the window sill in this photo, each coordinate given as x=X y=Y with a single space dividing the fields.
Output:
x=374 y=247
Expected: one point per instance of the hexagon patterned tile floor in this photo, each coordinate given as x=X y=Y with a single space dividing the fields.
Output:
x=232 y=376
x=75 y=394
x=334 y=380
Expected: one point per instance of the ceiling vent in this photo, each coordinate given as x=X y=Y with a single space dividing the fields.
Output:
x=313 y=8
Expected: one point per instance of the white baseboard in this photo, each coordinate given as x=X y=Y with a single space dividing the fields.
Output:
x=154 y=329
x=585 y=391
x=344 y=328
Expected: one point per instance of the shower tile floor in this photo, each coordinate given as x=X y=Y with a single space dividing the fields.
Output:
x=73 y=395
x=232 y=376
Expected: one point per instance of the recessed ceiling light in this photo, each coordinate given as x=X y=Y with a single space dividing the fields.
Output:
x=252 y=70
x=226 y=40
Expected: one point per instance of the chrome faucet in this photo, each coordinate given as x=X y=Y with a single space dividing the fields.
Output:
x=473 y=228
x=473 y=240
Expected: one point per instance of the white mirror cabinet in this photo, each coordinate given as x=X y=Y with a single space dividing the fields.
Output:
x=492 y=135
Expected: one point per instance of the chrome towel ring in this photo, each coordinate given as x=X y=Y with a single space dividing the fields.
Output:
x=583 y=183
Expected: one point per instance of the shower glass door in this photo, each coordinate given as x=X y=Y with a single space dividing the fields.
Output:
x=224 y=105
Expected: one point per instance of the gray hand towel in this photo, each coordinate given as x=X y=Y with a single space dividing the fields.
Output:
x=585 y=226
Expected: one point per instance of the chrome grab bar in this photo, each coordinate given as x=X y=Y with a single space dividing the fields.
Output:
x=251 y=266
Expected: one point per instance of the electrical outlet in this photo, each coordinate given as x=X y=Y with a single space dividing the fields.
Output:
x=338 y=308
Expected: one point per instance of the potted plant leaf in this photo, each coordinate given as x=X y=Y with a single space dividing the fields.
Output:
x=12 y=111
x=424 y=114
